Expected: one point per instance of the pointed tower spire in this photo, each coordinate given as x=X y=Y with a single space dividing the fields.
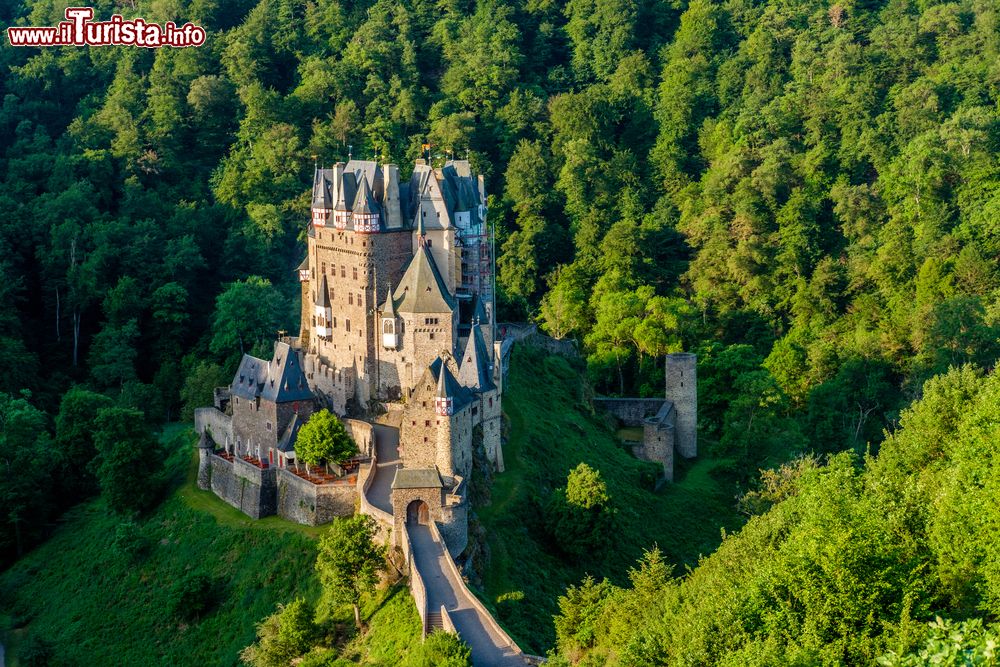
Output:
x=389 y=324
x=444 y=402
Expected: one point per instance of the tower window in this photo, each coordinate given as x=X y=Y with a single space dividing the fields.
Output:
x=343 y=272
x=355 y=273
x=350 y=299
x=432 y=335
x=347 y=324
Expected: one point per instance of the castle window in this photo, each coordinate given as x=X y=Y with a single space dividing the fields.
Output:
x=491 y=402
x=268 y=426
x=432 y=335
x=475 y=411
x=347 y=324
x=350 y=299
x=343 y=272
x=425 y=438
x=323 y=270
x=359 y=299
x=355 y=273
x=427 y=422
x=429 y=244
x=413 y=422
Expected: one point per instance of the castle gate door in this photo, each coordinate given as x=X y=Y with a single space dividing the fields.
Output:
x=417 y=512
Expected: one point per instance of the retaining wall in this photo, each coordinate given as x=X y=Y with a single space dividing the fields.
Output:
x=244 y=486
x=302 y=501
x=218 y=424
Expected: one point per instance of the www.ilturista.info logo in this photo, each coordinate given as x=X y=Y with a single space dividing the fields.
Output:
x=79 y=30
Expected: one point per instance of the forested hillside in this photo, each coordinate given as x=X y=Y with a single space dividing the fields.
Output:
x=804 y=193
x=841 y=566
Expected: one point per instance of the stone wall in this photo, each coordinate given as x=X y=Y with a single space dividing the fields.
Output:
x=630 y=411
x=363 y=434
x=530 y=335
x=681 y=372
x=246 y=487
x=218 y=424
x=301 y=501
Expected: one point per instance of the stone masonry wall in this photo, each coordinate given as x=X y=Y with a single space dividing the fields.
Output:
x=218 y=424
x=631 y=411
x=245 y=487
x=304 y=502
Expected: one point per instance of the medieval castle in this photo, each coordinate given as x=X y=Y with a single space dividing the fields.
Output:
x=398 y=336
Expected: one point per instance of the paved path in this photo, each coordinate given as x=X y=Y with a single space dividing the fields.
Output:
x=387 y=453
x=488 y=650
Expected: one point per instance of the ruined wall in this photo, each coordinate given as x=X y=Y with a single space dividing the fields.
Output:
x=304 y=502
x=244 y=486
x=630 y=411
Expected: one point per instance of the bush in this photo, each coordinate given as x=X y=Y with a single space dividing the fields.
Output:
x=129 y=540
x=284 y=636
x=440 y=649
x=192 y=596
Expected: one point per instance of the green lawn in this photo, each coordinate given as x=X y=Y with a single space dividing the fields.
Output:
x=551 y=430
x=97 y=606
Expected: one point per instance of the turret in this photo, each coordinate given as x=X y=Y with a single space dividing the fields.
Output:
x=390 y=323
x=322 y=311
x=365 y=214
x=322 y=200
x=341 y=213
x=444 y=402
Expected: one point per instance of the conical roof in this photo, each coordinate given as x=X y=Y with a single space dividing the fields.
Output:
x=323 y=295
x=422 y=290
x=365 y=200
x=389 y=308
x=475 y=372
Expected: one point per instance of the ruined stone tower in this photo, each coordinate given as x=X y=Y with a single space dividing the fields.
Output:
x=682 y=391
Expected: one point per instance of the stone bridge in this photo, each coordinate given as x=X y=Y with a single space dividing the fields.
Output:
x=441 y=595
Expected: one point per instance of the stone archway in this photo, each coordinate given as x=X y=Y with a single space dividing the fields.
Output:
x=417 y=512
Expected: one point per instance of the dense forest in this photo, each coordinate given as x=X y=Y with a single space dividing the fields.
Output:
x=804 y=193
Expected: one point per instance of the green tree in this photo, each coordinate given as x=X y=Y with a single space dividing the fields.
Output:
x=129 y=461
x=324 y=439
x=349 y=562
x=245 y=313
x=579 y=516
x=75 y=424
x=283 y=636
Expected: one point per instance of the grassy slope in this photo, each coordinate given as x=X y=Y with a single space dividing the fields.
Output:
x=99 y=608
x=551 y=431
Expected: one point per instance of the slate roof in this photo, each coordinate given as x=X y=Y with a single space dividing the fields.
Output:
x=287 y=442
x=475 y=372
x=280 y=380
x=365 y=202
x=389 y=309
x=422 y=290
x=323 y=295
x=448 y=386
x=322 y=189
x=417 y=478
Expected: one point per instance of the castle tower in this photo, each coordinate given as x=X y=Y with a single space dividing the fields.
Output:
x=390 y=325
x=682 y=391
